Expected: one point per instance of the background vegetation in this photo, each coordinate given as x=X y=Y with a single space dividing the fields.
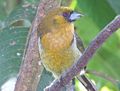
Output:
x=15 y=20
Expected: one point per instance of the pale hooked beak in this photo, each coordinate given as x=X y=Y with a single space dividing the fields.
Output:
x=74 y=16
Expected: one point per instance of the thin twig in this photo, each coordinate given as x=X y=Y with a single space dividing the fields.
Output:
x=104 y=76
x=85 y=58
x=30 y=68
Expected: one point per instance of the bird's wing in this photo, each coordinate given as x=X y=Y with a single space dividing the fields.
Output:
x=82 y=78
x=79 y=42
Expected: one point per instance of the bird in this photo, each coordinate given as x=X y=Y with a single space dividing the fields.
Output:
x=59 y=45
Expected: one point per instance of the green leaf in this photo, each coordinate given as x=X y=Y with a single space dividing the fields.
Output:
x=12 y=43
x=3 y=12
x=99 y=11
x=6 y=6
x=13 y=40
x=115 y=5
x=45 y=80
x=24 y=12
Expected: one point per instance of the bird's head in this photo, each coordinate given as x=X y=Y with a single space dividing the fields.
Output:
x=60 y=17
x=68 y=14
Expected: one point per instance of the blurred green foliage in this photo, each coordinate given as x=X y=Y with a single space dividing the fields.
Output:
x=98 y=13
x=16 y=17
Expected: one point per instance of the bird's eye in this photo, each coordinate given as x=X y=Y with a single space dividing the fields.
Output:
x=65 y=14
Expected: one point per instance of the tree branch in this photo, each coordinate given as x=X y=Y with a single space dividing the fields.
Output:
x=85 y=58
x=30 y=68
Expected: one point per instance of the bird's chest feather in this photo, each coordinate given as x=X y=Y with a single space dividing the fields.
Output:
x=58 y=62
x=57 y=41
x=58 y=51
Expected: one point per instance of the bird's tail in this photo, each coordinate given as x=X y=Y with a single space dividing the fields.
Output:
x=88 y=84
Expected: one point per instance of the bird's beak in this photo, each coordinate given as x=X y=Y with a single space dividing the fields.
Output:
x=74 y=16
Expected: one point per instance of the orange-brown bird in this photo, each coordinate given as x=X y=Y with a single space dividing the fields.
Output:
x=58 y=43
